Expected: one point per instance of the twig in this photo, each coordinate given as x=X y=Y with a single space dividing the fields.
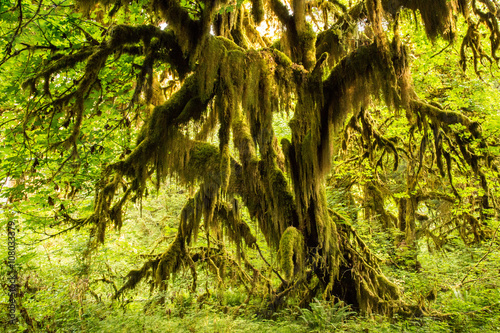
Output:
x=272 y=268
x=484 y=278
x=438 y=53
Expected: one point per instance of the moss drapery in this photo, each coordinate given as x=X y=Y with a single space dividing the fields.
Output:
x=233 y=88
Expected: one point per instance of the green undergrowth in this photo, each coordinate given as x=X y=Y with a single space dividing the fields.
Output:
x=452 y=305
x=62 y=290
x=321 y=318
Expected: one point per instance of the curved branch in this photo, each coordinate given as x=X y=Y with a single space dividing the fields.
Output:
x=446 y=117
x=281 y=12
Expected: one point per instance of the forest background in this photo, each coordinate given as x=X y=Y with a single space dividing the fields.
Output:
x=221 y=166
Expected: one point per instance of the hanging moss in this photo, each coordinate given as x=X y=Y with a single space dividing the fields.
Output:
x=236 y=229
x=258 y=11
x=187 y=30
x=135 y=276
x=330 y=41
x=169 y=263
x=225 y=168
x=235 y=89
x=438 y=16
x=375 y=202
x=291 y=253
x=264 y=189
x=242 y=89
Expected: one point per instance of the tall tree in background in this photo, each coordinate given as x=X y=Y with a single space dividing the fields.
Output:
x=328 y=60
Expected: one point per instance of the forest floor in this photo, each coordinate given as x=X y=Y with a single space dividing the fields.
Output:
x=62 y=290
x=459 y=286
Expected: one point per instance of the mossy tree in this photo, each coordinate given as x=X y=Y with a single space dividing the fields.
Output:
x=320 y=68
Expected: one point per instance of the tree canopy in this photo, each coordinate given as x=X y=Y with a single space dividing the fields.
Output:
x=297 y=115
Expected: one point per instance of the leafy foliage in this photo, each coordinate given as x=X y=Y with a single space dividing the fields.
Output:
x=244 y=158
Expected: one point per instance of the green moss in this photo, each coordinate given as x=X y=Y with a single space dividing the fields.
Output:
x=169 y=263
x=202 y=156
x=243 y=89
x=281 y=58
x=225 y=167
x=438 y=16
x=236 y=229
x=331 y=41
x=291 y=253
x=257 y=11
x=308 y=43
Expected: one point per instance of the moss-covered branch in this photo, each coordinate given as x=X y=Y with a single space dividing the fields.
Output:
x=281 y=11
